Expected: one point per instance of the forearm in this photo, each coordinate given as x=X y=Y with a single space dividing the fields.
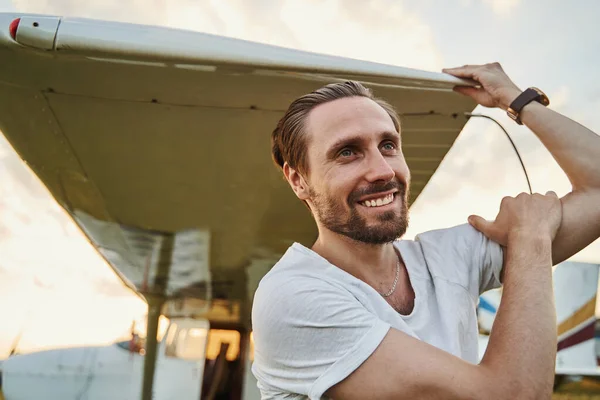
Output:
x=577 y=151
x=575 y=148
x=580 y=223
x=522 y=347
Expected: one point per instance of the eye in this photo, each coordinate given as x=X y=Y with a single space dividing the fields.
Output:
x=346 y=153
x=389 y=146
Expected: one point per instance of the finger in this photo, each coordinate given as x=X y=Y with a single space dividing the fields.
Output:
x=551 y=193
x=466 y=71
x=482 y=225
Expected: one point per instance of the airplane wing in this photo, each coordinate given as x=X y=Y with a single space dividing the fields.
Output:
x=157 y=134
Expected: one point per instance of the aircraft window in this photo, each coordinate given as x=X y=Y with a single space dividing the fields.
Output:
x=186 y=343
x=218 y=336
x=170 y=347
x=191 y=344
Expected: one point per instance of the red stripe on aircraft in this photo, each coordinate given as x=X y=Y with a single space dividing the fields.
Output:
x=580 y=336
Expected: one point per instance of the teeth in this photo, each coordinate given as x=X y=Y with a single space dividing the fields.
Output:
x=380 y=201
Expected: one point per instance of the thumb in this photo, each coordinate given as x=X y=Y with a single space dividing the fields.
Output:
x=482 y=225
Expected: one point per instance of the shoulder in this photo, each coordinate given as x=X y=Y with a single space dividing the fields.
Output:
x=302 y=284
x=461 y=255
x=310 y=328
x=464 y=236
x=450 y=253
x=285 y=298
x=304 y=291
x=300 y=270
x=443 y=247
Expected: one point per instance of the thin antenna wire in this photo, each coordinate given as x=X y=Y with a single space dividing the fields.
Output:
x=511 y=142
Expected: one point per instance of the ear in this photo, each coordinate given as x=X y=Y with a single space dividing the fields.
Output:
x=296 y=181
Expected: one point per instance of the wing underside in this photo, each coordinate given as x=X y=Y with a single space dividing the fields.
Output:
x=166 y=131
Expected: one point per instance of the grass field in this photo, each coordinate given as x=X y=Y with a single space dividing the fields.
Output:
x=578 y=389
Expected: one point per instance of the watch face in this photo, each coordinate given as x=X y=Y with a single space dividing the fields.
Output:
x=543 y=98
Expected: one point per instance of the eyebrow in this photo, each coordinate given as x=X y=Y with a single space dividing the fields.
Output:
x=357 y=141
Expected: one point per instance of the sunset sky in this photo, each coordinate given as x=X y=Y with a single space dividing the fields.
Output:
x=56 y=291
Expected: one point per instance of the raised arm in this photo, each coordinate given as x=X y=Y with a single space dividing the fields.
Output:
x=520 y=358
x=575 y=148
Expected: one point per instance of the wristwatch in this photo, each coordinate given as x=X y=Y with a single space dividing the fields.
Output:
x=529 y=95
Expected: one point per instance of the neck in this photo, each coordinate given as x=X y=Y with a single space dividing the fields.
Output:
x=365 y=261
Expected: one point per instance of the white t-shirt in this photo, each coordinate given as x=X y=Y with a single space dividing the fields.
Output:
x=314 y=323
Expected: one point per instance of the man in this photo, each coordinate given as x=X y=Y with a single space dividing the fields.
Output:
x=364 y=315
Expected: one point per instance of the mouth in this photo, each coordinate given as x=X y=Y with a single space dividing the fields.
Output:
x=381 y=201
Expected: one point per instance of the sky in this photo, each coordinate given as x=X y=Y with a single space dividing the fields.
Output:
x=56 y=291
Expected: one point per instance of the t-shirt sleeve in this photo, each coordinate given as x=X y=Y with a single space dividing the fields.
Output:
x=309 y=335
x=465 y=256
x=487 y=260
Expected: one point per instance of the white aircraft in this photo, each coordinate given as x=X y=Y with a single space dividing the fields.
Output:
x=575 y=295
x=156 y=141
x=191 y=358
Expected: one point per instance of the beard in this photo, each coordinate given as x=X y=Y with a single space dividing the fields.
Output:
x=390 y=225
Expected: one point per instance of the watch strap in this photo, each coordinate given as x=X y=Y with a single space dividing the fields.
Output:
x=529 y=95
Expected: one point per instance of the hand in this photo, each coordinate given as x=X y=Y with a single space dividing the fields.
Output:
x=530 y=214
x=497 y=90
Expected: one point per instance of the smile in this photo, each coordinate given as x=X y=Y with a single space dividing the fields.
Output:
x=378 y=202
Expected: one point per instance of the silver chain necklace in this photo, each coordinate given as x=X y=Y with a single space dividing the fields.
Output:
x=388 y=294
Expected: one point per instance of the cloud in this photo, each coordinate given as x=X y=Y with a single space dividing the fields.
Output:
x=559 y=98
x=6 y=6
x=50 y=271
x=502 y=8
x=378 y=30
x=42 y=318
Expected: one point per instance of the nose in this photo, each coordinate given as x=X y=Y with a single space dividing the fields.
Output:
x=379 y=169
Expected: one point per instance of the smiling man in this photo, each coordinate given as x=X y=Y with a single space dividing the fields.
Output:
x=363 y=314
